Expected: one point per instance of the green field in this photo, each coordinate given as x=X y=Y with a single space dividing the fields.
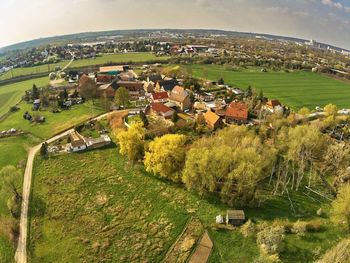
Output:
x=12 y=93
x=120 y=213
x=296 y=89
x=111 y=58
x=13 y=152
x=55 y=122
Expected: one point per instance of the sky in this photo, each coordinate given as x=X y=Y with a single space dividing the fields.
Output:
x=325 y=21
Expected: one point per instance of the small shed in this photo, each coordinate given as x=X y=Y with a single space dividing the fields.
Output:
x=235 y=217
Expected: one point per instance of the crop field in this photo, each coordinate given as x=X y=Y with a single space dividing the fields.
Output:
x=120 y=213
x=110 y=58
x=55 y=122
x=296 y=89
x=12 y=93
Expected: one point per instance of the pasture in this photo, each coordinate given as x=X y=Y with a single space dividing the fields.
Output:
x=11 y=94
x=295 y=89
x=123 y=214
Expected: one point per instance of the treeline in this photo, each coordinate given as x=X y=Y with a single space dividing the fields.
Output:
x=238 y=162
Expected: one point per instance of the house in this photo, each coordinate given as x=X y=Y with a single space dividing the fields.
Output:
x=161 y=97
x=135 y=88
x=162 y=110
x=180 y=97
x=36 y=104
x=237 y=112
x=114 y=70
x=235 y=217
x=274 y=106
x=103 y=141
x=77 y=142
x=204 y=96
x=212 y=120
x=106 y=90
x=148 y=86
x=167 y=84
x=127 y=76
x=103 y=79
x=154 y=78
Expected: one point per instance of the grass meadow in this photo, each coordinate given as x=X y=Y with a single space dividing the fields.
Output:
x=103 y=59
x=12 y=93
x=55 y=122
x=94 y=206
x=295 y=89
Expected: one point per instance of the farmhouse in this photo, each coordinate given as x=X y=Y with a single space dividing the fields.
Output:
x=235 y=217
x=212 y=120
x=94 y=143
x=161 y=97
x=274 y=106
x=161 y=110
x=180 y=97
x=237 y=112
x=77 y=142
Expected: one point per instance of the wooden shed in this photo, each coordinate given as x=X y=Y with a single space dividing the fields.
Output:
x=235 y=217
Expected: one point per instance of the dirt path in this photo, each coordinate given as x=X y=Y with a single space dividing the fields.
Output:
x=203 y=250
x=21 y=252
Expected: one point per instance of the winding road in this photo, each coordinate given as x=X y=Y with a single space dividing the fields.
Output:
x=21 y=252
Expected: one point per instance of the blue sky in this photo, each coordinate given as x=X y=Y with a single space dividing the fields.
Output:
x=323 y=20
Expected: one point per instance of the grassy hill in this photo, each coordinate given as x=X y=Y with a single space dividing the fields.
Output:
x=296 y=89
x=118 y=212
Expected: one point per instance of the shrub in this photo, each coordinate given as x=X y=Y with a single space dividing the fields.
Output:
x=265 y=258
x=270 y=240
x=314 y=226
x=299 y=228
x=248 y=229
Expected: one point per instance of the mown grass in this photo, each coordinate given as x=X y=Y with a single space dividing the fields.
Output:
x=103 y=59
x=12 y=93
x=55 y=122
x=69 y=218
x=296 y=89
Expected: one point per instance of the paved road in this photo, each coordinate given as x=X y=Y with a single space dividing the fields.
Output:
x=21 y=252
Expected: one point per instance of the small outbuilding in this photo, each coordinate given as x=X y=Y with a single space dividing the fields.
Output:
x=235 y=217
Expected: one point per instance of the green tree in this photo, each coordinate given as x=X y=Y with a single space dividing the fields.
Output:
x=166 y=156
x=232 y=163
x=175 y=117
x=88 y=90
x=35 y=92
x=221 y=81
x=144 y=119
x=10 y=185
x=340 y=213
x=44 y=150
x=122 y=97
x=131 y=142
x=304 y=112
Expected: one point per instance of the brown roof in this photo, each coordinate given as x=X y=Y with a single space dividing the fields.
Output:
x=236 y=214
x=237 y=110
x=178 y=90
x=130 y=84
x=211 y=117
x=273 y=103
x=159 y=107
x=178 y=94
x=160 y=95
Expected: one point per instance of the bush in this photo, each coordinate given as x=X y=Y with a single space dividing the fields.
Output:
x=314 y=226
x=270 y=240
x=299 y=228
x=248 y=229
x=265 y=258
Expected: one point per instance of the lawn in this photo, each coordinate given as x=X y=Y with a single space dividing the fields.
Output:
x=12 y=93
x=103 y=59
x=296 y=89
x=55 y=122
x=118 y=212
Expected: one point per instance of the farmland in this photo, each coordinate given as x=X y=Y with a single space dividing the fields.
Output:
x=12 y=93
x=295 y=89
x=55 y=122
x=126 y=214
x=103 y=59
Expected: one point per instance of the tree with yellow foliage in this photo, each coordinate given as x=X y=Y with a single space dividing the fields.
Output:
x=166 y=156
x=131 y=142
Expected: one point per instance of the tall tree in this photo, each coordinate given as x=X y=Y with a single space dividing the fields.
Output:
x=166 y=156
x=88 y=90
x=131 y=142
x=35 y=92
x=122 y=97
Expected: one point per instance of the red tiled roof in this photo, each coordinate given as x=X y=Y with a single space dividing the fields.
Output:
x=160 y=95
x=237 y=110
x=273 y=103
x=159 y=107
